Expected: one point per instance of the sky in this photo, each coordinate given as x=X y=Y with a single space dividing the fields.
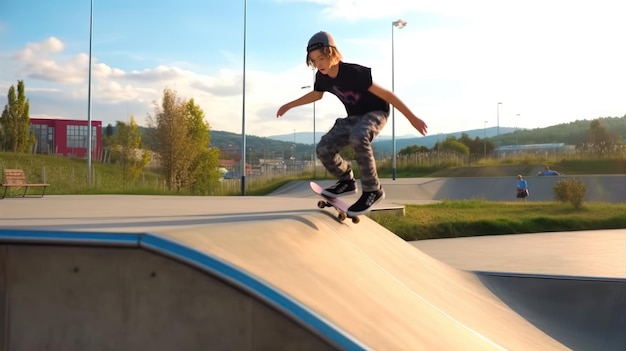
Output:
x=546 y=61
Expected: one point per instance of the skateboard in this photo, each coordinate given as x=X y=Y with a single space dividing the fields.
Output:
x=338 y=204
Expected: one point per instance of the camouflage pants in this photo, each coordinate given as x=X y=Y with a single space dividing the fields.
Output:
x=357 y=131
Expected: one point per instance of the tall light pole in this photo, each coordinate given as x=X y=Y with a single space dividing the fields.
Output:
x=314 y=139
x=89 y=133
x=498 y=117
x=243 y=105
x=400 y=23
x=485 y=140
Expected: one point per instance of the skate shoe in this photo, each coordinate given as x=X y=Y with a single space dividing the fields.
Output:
x=364 y=204
x=341 y=188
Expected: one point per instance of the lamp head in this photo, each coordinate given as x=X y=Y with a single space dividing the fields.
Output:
x=399 y=23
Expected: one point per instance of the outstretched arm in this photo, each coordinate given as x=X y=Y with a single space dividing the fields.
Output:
x=392 y=99
x=307 y=98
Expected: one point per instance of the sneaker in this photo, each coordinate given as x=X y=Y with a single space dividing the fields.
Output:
x=342 y=187
x=365 y=202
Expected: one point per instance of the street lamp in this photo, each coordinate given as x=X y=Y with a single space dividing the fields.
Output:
x=485 y=140
x=498 y=117
x=243 y=105
x=89 y=132
x=314 y=139
x=400 y=23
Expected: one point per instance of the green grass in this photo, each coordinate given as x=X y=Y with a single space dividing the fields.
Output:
x=450 y=219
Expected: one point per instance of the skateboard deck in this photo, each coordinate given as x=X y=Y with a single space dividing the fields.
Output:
x=336 y=203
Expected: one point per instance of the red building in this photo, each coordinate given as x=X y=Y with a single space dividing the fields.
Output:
x=66 y=137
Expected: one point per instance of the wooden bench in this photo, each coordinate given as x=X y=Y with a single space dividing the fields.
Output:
x=15 y=178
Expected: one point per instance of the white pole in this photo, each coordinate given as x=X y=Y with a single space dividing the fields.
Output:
x=243 y=106
x=400 y=23
x=89 y=136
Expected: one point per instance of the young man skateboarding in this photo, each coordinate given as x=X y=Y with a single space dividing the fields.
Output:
x=367 y=107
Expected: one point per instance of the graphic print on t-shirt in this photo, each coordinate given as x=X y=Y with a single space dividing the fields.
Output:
x=346 y=97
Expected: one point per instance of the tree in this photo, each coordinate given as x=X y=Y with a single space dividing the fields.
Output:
x=204 y=171
x=451 y=145
x=15 y=120
x=127 y=143
x=413 y=149
x=599 y=140
x=476 y=146
x=182 y=141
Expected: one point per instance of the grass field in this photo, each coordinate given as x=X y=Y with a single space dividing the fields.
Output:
x=450 y=219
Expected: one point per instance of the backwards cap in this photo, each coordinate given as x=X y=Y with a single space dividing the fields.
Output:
x=320 y=40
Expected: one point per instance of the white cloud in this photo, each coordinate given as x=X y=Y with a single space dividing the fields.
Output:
x=49 y=46
x=41 y=61
x=160 y=73
x=117 y=93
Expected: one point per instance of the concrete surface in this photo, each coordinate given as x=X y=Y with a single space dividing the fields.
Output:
x=570 y=285
x=600 y=188
x=596 y=253
x=277 y=273
x=97 y=298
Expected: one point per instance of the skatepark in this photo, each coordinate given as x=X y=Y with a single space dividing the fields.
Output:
x=126 y=272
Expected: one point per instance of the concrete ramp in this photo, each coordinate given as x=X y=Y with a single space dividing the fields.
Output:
x=583 y=313
x=106 y=298
x=299 y=281
x=370 y=284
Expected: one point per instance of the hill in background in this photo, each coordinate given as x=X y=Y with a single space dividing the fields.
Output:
x=573 y=133
x=406 y=140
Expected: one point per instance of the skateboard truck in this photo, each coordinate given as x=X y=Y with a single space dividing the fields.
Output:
x=341 y=215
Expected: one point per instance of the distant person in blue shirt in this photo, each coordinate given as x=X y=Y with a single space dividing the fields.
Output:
x=522 y=188
x=548 y=172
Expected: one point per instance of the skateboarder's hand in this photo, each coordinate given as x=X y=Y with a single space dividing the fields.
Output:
x=419 y=125
x=282 y=110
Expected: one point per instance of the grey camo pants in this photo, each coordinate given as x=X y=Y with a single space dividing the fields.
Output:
x=358 y=131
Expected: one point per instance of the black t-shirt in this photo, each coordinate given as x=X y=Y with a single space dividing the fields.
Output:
x=351 y=87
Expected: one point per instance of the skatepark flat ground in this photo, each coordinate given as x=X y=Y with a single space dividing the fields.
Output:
x=351 y=286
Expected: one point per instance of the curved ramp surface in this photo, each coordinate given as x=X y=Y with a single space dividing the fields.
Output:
x=303 y=281
x=370 y=283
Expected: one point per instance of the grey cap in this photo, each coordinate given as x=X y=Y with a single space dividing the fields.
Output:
x=320 y=40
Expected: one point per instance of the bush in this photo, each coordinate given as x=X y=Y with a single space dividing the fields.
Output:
x=571 y=190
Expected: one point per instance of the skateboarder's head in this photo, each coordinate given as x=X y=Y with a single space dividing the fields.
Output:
x=322 y=52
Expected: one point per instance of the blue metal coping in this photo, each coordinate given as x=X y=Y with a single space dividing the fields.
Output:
x=199 y=259
x=73 y=238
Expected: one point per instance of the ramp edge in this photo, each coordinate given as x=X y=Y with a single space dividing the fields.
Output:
x=200 y=260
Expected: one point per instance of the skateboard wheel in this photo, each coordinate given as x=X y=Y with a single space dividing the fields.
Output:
x=356 y=220
x=321 y=204
x=341 y=217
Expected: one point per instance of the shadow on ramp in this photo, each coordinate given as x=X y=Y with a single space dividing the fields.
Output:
x=582 y=313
